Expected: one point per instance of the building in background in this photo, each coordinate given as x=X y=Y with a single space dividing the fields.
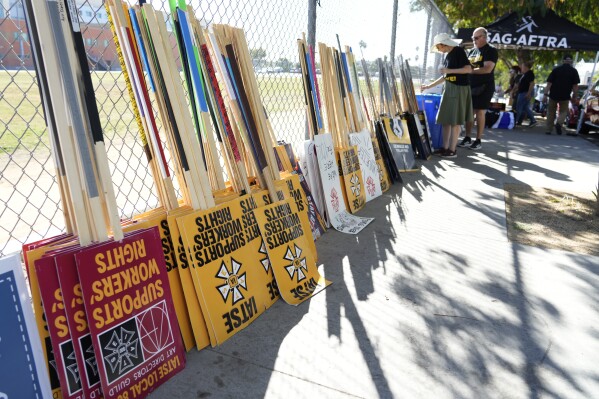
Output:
x=15 y=51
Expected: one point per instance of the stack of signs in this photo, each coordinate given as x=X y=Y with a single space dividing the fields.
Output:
x=229 y=271
x=329 y=174
x=108 y=314
x=373 y=176
x=130 y=314
x=22 y=367
x=398 y=137
x=291 y=250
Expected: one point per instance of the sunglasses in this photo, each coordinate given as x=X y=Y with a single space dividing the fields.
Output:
x=476 y=37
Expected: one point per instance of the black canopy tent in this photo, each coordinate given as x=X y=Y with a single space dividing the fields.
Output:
x=536 y=32
x=539 y=32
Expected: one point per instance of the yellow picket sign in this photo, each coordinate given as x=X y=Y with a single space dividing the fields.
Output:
x=228 y=277
x=256 y=245
x=196 y=316
x=384 y=177
x=294 y=190
x=158 y=218
x=351 y=178
x=287 y=235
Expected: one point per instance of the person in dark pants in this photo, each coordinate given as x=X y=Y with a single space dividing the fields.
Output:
x=525 y=88
x=512 y=89
x=562 y=81
x=455 y=108
x=483 y=58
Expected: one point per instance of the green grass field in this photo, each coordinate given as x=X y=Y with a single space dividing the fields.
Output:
x=22 y=124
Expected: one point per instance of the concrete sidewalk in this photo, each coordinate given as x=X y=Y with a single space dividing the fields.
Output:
x=432 y=300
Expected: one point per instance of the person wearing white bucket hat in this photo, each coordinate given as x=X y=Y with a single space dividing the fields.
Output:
x=455 y=108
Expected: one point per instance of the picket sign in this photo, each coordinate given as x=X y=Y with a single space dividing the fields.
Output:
x=385 y=182
x=329 y=174
x=158 y=218
x=72 y=297
x=196 y=316
x=65 y=359
x=368 y=165
x=130 y=313
x=398 y=137
x=23 y=372
x=290 y=247
x=229 y=279
x=312 y=174
x=31 y=253
x=289 y=164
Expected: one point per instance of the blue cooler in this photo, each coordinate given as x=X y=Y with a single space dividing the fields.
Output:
x=429 y=103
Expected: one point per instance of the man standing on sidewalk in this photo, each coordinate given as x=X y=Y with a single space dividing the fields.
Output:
x=483 y=58
x=525 y=89
x=562 y=81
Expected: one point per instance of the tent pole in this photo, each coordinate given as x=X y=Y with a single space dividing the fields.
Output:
x=590 y=81
x=576 y=58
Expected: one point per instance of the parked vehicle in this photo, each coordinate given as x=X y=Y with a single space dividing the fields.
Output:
x=589 y=99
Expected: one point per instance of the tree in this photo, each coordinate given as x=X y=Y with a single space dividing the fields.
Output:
x=284 y=64
x=473 y=13
x=258 y=54
x=362 y=46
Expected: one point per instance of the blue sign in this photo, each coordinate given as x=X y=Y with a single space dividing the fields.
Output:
x=22 y=371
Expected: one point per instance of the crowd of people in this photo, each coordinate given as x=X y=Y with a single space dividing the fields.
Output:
x=469 y=79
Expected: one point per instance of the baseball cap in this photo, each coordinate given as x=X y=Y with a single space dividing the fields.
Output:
x=567 y=57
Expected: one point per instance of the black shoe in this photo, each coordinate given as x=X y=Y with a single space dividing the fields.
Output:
x=449 y=154
x=477 y=145
x=533 y=123
x=548 y=133
x=466 y=141
x=558 y=128
x=439 y=151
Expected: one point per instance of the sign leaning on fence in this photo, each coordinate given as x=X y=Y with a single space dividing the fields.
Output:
x=333 y=197
x=287 y=238
x=25 y=374
x=131 y=315
x=400 y=144
x=83 y=348
x=60 y=334
x=368 y=165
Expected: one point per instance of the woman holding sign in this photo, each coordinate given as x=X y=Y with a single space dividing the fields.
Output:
x=456 y=102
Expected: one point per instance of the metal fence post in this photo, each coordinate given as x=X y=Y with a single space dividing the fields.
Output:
x=393 y=32
x=429 y=21
x=312 y=22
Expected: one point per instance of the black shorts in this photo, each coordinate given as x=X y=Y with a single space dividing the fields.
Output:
x=483 y=96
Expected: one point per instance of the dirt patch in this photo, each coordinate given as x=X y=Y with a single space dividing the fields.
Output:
x=548 y=218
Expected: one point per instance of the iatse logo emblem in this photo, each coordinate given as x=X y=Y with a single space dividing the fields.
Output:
x=234 y=281
x=298 y=264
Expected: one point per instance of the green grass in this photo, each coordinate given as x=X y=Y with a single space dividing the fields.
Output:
x=22 y=124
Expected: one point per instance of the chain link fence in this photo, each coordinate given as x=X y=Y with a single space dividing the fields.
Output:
x=30 y=207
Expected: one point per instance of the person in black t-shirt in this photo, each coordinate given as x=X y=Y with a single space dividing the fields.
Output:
x=512 y=89
x=525 y=88
x=562 y=81
x=483 y=58
x=455 y=108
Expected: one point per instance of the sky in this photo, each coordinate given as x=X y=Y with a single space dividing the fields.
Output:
x=275 y=24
